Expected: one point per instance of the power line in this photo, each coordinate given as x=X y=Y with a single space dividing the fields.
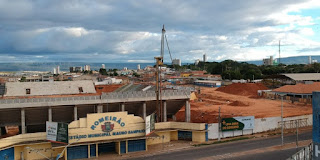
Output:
x=168 y=47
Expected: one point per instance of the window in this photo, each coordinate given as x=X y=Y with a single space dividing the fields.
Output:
x=80 y=89
x=28 y=91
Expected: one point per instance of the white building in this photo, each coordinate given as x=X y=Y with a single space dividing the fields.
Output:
x=176 y=62
x=268 y=61
x=49 y=88
x=103 y=66
x=138 y=67
x=54 y=70
x=310 y=60
x=87 y=68
x=109 y=80
x=196 y=62
x=58 y=69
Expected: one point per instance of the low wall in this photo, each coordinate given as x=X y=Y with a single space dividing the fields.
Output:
x=9 y=141
x=180 y=126
x=260 y=125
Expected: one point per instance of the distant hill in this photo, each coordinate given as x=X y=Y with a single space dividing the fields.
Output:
x=290 y=60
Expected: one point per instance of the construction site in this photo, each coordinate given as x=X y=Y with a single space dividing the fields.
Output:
x=103 y=115
x=239 y=99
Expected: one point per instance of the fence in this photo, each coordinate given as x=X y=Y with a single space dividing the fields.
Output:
x=115 y=95
x=260 y=125
x=304 y=154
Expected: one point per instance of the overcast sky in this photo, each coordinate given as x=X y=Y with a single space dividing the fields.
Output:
x=129 y=31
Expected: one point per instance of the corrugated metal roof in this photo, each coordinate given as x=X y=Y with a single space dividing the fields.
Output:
x=303 y=76
x=299 y=88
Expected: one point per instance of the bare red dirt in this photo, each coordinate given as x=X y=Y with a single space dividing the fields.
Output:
x=206 y=108
x=243 y=89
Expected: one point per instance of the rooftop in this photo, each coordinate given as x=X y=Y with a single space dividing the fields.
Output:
x=299 y=88
x=303 y=76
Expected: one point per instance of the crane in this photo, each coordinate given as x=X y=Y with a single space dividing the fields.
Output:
x=159 y=63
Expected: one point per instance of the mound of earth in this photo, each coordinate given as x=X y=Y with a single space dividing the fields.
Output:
x=238 y=103
x=243 y=89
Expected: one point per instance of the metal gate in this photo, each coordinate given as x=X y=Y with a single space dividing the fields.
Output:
x=77 y=152
x=136 y=145
x=7 y=154
x=106 y=147
x=123 y=147
x=207 y=136
x=184 y=135
x=93 y=150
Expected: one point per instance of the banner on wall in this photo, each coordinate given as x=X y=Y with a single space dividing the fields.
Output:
x=57 y=132
x=237 y=123
x=150 y=124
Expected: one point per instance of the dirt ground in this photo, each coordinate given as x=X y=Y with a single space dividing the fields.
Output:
x=206 y=108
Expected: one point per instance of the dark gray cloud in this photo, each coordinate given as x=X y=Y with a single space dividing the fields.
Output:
x=130 y=30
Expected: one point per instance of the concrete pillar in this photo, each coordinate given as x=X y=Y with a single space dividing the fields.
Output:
x=50 y=114
x=97 y=150
x=122 y=107
x=144 y=110
x=187 y=112
x=100 y=108
x=164 y=111
x=75 y=113
x=174 y=118
x=89 y=151
x=23 y=121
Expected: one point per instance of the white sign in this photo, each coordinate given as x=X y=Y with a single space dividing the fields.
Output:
x=247 y=121
x=150 y=124
x=52 y=130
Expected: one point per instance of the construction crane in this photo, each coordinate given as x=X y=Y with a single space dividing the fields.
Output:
x=159 y=63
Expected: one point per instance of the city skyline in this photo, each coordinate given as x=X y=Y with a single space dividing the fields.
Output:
x=118 y=31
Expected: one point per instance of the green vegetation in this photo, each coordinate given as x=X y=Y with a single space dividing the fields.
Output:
x=23 y=79
x=229 y=69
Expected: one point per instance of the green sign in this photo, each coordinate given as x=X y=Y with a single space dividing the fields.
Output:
x=57 y=132
x=62 y=135
x=230 y=124
x=150 y=123
x=237 y=123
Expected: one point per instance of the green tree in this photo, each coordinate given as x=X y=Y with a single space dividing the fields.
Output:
x=23 y=79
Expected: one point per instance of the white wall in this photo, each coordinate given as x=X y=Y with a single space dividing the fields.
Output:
x=260 y=125
x=49 y=88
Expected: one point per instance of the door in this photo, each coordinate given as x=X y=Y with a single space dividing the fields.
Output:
x=77 y=152
x=136 y=145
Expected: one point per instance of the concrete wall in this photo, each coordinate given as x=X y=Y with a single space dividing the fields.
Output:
x=5 y=142
x=180 y=125
x=260 y=125
x=174 y=135
x=49 y=88
x=198 y=136
x=32 y=151
x=164 y=137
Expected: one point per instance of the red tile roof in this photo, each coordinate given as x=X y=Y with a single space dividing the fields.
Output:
x=300 y=88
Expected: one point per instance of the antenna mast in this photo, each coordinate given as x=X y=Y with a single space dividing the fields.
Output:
x=279 y=54
x=162 y=43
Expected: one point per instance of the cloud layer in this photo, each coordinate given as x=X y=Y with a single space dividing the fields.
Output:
x=129 y=31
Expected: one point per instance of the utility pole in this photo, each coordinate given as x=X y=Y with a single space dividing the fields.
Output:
x=158 y=88
x=297 y=133
x=219 y=125
x=282 y=120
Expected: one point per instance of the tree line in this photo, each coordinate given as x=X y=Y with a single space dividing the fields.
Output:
x=230 y=69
